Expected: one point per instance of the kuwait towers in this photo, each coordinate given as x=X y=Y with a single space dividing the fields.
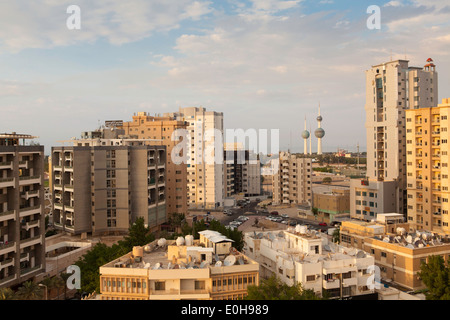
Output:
x=305 y=136
x=320 y=133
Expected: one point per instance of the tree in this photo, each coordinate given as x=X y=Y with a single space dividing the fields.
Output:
x=436 y=276
x=30 y=291
x=7 y=294
x=327 y=180
x=138 y=235
x=337 y=235
x=274 y=289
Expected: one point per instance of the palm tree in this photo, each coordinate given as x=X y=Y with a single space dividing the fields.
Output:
x=6 y=294
x=29 y=291
x=64 y=276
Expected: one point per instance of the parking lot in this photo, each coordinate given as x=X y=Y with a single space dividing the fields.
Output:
x=249 y=217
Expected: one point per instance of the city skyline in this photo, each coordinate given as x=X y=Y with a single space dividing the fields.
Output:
x=255 y=61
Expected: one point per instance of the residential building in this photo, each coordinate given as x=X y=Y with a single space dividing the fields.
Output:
x=101 y=186
x=245 y=168
x=392 y=88
x=398 y=251
x=205 y=165
x=292 y=181
x=22 y=221
x=161 y=129
x=427 y=167
x=303 y=256
x=332 y=205
x=204 y=269
x=368 y=198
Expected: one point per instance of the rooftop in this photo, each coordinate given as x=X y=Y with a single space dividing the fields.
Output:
x=176 y=254
x=330 y=251
x=415 y=240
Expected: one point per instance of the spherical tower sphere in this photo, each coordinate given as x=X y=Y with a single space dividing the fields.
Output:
x=319 y=118
x=305 y=134
x=320 y=133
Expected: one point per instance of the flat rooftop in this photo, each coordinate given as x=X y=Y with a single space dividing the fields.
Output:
x=155 y=256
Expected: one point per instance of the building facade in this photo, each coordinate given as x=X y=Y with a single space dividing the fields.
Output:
x=243 y=171
x=102 y=186
x=292 y=182
x=398 y=250
x=161 y=129
x=392 y=88
x=301 y=256
x=332 y=205
x=22 y=221
x=427 y=168
x=205 y=269
x=205 y=165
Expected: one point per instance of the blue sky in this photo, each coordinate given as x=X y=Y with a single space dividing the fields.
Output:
x=265 y=64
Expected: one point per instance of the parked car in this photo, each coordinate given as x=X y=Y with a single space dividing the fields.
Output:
x=274 y=213
x=285 y=215
x=323 y=224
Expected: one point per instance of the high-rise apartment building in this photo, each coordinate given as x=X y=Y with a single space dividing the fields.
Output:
x=160 y=129
x=22 y=221
x=427 y=141
x=245 y=169
x=101 y=186
x=292 y=182
x=392 y=88
x=205 y=165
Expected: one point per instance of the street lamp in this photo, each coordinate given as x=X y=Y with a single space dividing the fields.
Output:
x=43 y=285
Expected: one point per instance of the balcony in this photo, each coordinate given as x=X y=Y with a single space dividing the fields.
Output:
x=28 y=211
x=23 y=164
x=8 y=215
x=6 y=263
x=331 y=284
x=7 y=247
x=30 y=241
x=25 y=180
x=7 y=182
x=32 y=224
x=68 y=187
x=6 y=165
x=30 y=194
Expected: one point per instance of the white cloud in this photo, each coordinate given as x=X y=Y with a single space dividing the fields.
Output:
x=42 y=24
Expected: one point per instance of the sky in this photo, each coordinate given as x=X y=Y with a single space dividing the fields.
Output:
x=266 y=64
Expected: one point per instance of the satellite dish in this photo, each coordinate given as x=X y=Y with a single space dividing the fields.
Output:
x=218 y=264
x=360 y=254
x=241 y=261
x=202 y=265
x=156 y=266
x=272 y=236
x=229 y=261
x=147 y=265
x=216 y=257
x=170 y=266
x=162 y=242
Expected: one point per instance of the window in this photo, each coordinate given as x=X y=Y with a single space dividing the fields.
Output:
x=311 y=278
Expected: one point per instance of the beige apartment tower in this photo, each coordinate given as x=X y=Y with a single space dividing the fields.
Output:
x=392 y=88
x=101 y=186
x=292 y=182
x=427 y=168
x=22 y=221
x=160 y=129
x=205 y=177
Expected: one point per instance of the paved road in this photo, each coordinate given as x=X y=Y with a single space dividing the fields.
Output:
x=252 y=207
